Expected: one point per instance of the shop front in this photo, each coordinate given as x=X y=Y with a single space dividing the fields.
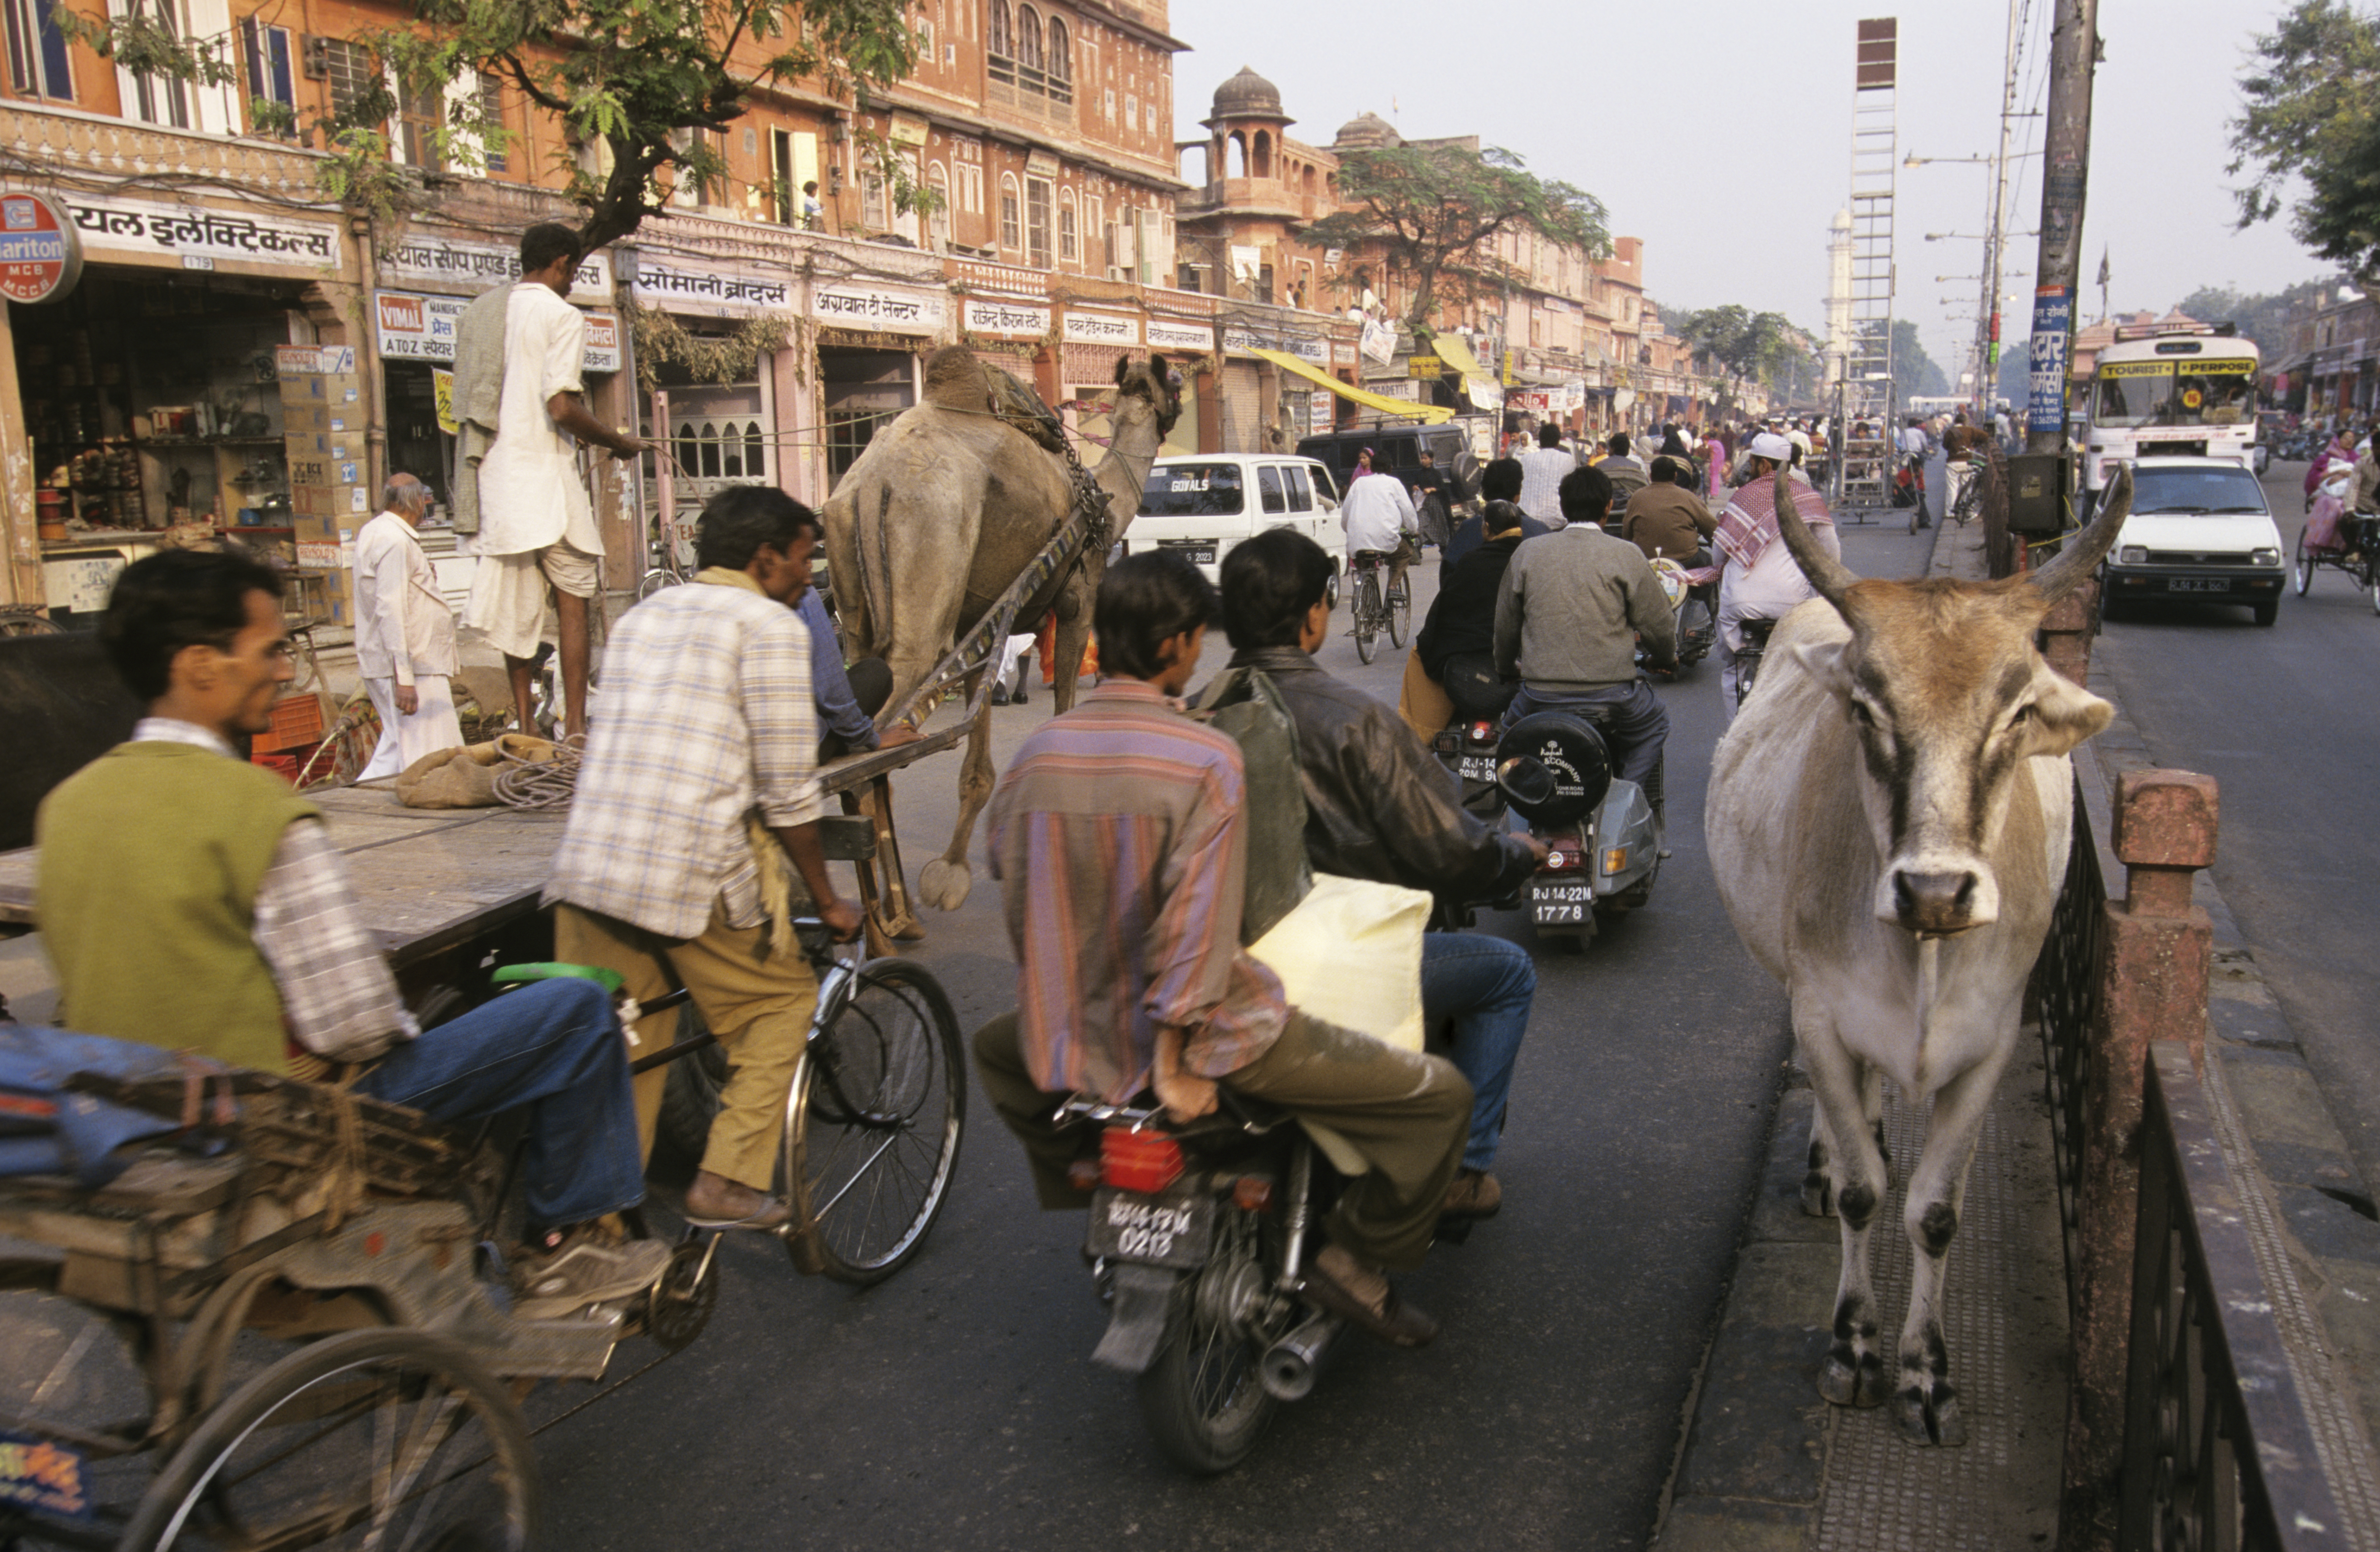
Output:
x=149 y=390
x=1188 y=347
x=1092 y=342
x=1006 y=316
x=873 y=336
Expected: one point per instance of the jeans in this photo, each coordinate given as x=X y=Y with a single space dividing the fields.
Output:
x=554 y=1050
x=1639 y=726
x=1485 y=985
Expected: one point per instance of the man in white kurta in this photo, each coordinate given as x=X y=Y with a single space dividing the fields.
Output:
x=1760 y=579
x=404 y=634
x=537 y=527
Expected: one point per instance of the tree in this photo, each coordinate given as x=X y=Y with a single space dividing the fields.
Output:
x=2266 y=320
x=2311 y=115
x=1914 y=374
x=641 y=85
x=1750 y=346
x=1432 y=211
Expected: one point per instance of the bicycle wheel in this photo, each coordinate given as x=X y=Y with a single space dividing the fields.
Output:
x=873 y=1124
x=654 y=581
x=2301 y=568
x=1400 y=610
x=374 y=1438
x=1368 y=614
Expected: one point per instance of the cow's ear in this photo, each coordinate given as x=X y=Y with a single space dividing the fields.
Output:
x=1827 y=662
x=2061 y=714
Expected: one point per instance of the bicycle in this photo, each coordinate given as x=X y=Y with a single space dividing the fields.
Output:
x=1967 y=493
x=873 y=1118
x=1378 y=606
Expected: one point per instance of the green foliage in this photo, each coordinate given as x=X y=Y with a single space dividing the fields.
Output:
x=1433 y=209
x=1914 y=374
x=1750 y=348
x=2311 y=113
x=631 y=82
x=731 y=357
x=2266 y=319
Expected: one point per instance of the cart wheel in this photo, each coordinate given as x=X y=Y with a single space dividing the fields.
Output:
x=2302 y=567
x=374 y=1438
x=873 y=1125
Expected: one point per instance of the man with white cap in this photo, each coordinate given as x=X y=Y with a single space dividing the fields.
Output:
x=1760 y=579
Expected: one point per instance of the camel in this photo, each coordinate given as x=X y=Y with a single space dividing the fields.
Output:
x=944 y=509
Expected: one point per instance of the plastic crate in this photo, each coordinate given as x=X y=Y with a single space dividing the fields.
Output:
x=285 y=765
x=296 y=724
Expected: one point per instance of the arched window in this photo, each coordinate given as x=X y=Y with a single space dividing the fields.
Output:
x=1011 y=214
x=1028 y=38
x=938 y=180
x=998 y=45
x=1260 y=164
x=1069 y=245
x=1061 y=59
x=1236 y=156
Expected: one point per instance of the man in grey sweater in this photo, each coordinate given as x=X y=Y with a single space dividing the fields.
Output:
x=1568 y=615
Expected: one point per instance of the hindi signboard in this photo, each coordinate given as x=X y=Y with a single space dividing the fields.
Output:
x=1172 y=336
x=677 y=284
x=151 y=228
x=425 y=261
x=1101 y=328
x=878 y=304
x=989 y=315
x=420 y=327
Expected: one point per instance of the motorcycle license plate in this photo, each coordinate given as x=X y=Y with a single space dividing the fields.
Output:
x=1197 y=551
x=1479 y=768
x=1176 y=1229
x=1559 y=904
x=2200 y=584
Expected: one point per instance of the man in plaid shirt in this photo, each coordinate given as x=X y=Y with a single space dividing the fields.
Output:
x=707 y=717
x=189 y=899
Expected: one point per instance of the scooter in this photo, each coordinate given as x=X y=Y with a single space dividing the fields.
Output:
x=1696 y=609
x=1604 y=834
x=1466 y=746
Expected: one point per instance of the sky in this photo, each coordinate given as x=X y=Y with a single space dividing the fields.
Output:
x=1726 y=144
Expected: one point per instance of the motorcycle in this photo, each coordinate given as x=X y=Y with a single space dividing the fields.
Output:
x=1466 y=746
x=1604 y=834
x=1198 y=1240
x=1754 y=634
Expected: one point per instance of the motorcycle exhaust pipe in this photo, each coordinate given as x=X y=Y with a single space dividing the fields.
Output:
x=1289 y=1364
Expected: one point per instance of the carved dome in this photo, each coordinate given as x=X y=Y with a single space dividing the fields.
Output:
x=1247 y=93
x=1367 y=132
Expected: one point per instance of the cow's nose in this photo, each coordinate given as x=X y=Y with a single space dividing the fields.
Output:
x=1935 y=902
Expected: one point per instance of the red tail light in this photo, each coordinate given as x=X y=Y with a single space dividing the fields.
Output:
x=1144 y=1161
x=1482 y=732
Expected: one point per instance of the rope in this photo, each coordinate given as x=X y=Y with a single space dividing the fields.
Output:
x=342 y=1187
x=540 y=784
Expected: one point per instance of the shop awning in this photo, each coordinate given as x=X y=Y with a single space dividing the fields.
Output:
x=1428 y=414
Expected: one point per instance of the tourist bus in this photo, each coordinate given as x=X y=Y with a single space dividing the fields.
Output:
x=2166 y=388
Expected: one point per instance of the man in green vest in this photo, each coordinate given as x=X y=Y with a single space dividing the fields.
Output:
x=189 y=900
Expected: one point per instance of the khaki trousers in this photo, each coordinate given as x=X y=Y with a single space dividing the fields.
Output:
x=1407 y=1113
x=760 y=1009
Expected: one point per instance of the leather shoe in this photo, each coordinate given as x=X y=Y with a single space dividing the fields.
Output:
x=1344 y=1286
x=1473 y=1194
x=716 y=1202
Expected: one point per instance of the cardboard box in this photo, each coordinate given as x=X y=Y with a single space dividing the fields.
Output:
x=326 y=499
x=323 y=447
x=338 y=392
x=327 y=470
x=310 y=531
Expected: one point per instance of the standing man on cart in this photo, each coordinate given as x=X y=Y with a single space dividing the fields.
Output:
x=537 y=527
x=700 y=775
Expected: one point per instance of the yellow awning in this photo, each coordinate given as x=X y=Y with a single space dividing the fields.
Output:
x=1451 y=349
x=1428 y=414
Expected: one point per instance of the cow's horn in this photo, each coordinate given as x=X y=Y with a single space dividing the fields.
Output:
x=1830 y=575
x=2088 y=549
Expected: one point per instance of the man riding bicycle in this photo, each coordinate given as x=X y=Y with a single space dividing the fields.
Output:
x=1380 y=522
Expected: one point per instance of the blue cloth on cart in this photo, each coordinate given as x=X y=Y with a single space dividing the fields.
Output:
x=47 y=1128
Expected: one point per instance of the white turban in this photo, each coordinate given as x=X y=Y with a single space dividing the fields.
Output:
x=1769 y=445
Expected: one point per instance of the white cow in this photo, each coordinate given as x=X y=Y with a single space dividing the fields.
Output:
x=1888 y=821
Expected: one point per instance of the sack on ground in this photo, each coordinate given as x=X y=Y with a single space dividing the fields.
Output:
x=1350 y=954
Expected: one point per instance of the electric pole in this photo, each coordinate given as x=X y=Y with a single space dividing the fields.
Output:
x=2073 y=52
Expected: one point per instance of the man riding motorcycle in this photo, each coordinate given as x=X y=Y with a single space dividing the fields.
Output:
x=1125 y=920
x=1458 y=640
x=1760 y=579
x=1380 y=807
x=1568 y=617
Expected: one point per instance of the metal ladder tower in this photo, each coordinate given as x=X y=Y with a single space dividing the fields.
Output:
x=1876 y=156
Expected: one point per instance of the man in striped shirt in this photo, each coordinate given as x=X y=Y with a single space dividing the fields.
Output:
x=1119 y=840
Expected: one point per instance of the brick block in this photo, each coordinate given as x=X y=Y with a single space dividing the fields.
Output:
x=2166 y=819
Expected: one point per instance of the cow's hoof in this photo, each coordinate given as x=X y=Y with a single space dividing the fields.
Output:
x=1931 y=1418
x=1852 y=1380
x=1818 y=1196
x=943 y=884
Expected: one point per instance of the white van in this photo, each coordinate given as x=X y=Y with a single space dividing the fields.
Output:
x=1202 y=504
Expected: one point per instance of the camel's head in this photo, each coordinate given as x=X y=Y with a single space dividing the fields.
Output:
x=1155 y=380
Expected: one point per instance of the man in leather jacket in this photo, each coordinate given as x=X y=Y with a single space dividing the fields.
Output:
x=1378 y=805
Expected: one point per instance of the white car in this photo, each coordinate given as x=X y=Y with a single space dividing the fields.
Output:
x=1201 y=505
x=2199 y=531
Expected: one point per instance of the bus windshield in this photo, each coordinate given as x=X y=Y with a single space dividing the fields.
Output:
x=2174 y=393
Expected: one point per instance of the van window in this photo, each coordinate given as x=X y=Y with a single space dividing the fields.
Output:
x=1193 y=490
x=1301 y=493
x=1268 y=488
x=1326 y=484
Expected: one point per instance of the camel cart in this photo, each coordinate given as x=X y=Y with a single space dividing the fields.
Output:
x=864 y=781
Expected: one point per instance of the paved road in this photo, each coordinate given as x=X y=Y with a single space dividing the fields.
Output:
x=956 y=1407
x=2285 y=719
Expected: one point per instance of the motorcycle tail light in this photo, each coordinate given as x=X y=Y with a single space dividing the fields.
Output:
x=1482 y=732
x=1615 y=859
x=1143 y=1162
x=1557 y=859
x=1252 y=1193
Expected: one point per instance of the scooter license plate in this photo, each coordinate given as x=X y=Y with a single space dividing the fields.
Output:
x=1558 y=904
x=1479 y=768
x=1176 y=1229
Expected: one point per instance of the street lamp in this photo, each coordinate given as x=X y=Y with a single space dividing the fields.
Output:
x=1914 y=160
